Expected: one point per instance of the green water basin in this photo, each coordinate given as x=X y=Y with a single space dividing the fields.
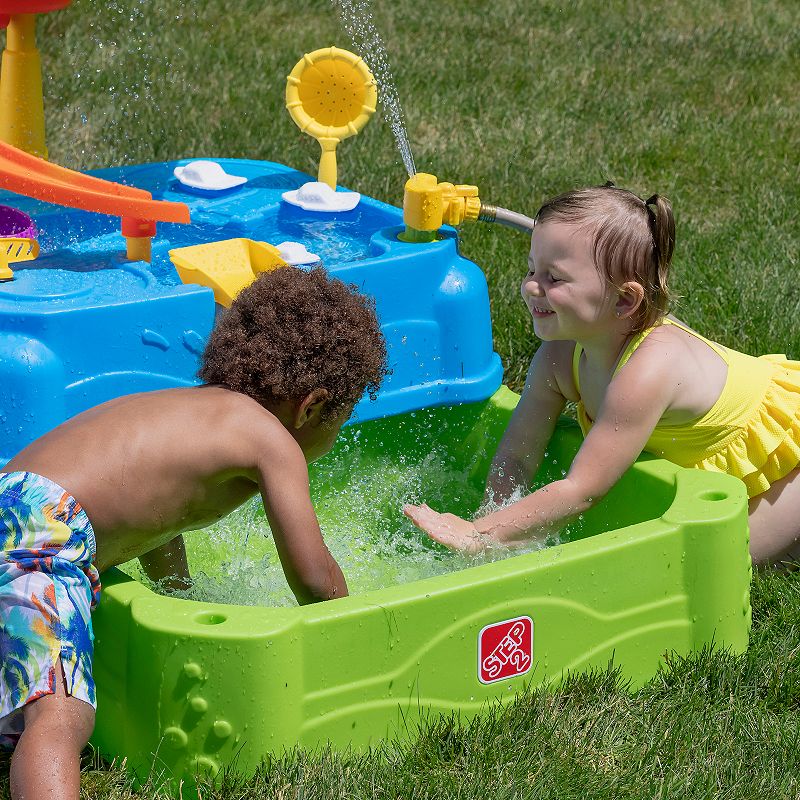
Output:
x=660 y=565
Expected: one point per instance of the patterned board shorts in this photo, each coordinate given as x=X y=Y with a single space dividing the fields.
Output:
x=48 y=586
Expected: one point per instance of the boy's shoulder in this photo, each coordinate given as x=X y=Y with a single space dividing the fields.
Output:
x=189 y=401
x=157 y=444
x=224 y=398
x=225 y=408
x=202 y=417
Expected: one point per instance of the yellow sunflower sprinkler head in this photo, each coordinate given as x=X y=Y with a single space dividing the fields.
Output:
x=330 y=95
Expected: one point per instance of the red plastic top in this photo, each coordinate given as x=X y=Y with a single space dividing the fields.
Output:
x=31 y=6
x=9 y=7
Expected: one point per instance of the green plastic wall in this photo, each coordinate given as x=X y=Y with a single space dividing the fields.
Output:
x=662 y=566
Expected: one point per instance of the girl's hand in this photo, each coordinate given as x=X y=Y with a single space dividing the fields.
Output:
x=447 y=529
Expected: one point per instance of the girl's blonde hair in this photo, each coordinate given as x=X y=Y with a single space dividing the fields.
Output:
x=633 y=240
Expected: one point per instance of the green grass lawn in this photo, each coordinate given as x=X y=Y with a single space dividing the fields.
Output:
x=696 y=99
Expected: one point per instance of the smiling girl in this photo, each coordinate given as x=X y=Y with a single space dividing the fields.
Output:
x=597 y=290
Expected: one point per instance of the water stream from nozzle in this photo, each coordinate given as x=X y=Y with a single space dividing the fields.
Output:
x=357 y=20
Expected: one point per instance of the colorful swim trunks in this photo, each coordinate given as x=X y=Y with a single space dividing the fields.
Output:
x=48 y=586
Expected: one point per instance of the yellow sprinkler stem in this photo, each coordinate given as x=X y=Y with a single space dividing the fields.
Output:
x=327 y=163
x=21 y=103
x=422 y=208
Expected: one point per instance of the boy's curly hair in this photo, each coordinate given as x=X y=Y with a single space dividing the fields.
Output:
x=292 y=331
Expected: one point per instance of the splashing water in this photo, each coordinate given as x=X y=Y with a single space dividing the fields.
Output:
x=359 y=497
x=113 y=92
x=357 y=20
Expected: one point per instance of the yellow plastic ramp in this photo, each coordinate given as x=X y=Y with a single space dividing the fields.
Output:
x=226 y=266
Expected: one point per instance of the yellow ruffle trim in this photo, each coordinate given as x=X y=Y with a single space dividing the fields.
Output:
x=767 y=449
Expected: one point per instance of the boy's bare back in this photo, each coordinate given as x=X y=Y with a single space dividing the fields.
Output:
x=148 y=466
x=282 y=370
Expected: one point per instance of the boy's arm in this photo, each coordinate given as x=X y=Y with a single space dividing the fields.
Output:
x=634 y=403
x=310 y=569
x=525 y=439
x=167 y=565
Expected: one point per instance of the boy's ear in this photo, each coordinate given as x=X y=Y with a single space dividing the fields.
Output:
x=310 y=408
x=631 y=297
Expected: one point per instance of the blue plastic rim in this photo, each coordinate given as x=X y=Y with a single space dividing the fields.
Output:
x=80 y=325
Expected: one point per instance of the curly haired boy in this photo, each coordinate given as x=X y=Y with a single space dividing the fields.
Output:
x=282 y=371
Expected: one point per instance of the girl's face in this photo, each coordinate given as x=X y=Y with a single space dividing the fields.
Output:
x=564 y=292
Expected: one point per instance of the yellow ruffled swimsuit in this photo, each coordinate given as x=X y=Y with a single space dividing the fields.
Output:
x=752 y=431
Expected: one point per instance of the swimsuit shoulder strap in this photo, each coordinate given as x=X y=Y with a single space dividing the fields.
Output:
x=626 y=354
x=576 y=359
x=640 y=337
x=718 y=349
x=630 y=348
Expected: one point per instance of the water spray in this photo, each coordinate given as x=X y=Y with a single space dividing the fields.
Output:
x=357 y=19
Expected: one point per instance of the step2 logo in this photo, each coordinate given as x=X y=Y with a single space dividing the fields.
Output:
x=505 y=649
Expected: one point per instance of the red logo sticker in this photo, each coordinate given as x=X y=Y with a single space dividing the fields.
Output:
x=505 y=649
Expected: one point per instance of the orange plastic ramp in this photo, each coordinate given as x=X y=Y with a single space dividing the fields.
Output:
x=25 y=174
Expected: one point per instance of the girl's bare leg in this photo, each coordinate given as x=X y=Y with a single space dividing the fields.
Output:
x=47 y=760
x=775 y=523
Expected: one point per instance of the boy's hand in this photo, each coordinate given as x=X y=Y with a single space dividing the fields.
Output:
x=447 y=529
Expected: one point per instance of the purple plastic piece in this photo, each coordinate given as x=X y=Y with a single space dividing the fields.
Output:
x=16 y=223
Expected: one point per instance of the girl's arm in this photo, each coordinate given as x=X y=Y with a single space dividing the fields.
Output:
x=635 y=401
x=525 y=439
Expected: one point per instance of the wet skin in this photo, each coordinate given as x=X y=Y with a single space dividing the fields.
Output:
x=147 y=467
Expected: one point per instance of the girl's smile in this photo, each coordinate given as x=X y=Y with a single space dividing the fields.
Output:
x=565 y=294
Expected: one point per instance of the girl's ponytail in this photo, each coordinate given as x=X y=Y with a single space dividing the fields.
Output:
x=662 y=227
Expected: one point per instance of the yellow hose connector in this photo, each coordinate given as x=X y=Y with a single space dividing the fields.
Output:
x=429 y=204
